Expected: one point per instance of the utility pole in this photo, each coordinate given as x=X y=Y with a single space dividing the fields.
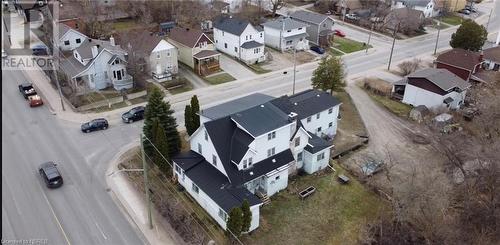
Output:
x=437 y=39
x=369 y=37
x=489 y=17
x=294 y=65
x=146 y=183
x=343 y=12
x=55 y=50
x=392 y=49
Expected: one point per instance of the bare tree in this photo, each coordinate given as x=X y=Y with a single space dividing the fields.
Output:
x=276 y=5
x=409 y=66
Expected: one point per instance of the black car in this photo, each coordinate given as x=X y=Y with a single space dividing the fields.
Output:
x=49 y=173
x=464 y=11
x=27 y=90
x=96 y=124
x=40 y=50
x=136 y=113
x=318 y=49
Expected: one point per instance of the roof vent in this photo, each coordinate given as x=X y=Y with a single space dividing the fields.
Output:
x=295 y=103
x=274 y=160
x=251 y=172
x=262 y=106
x=317 y=95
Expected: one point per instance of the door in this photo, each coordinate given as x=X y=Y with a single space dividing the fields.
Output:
x=119 y=75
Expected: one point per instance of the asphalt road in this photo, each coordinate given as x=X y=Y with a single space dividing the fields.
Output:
x=81 y=211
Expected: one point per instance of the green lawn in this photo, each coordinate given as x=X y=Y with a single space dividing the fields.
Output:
x=218 y=79
x=181 y=89
x=334 y=214
x=335 y=52
x=452 y=20
x=396 y=107
x=442 y=26
x=347 y=45
x=257 y=68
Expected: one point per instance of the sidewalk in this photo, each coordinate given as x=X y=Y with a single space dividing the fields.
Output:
x=134 y=205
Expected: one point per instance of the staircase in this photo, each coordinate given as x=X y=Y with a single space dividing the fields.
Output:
x=263 y=197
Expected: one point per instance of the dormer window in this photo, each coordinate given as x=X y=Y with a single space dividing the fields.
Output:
x=66 y=42
x=250 y=162
x=117 y=61
x=271 y=135
x=309 y=119
x=317 y=116
x=330 y=111
x=214 y=160
x=244 y=164
x=206 y=135
x=297 y=141
x=300 y=28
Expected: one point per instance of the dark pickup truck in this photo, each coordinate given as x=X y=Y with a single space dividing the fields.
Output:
x=27 y=90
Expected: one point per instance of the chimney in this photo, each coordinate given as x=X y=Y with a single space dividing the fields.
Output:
x=481 y=56
x=95 y=51
x=498 y=39
x=292 y=116
x=112 y=41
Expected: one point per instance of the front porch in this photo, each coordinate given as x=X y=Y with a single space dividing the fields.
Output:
x=206 y=62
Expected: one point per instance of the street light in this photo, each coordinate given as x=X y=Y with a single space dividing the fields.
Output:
x=437 y=39
x=369 y=37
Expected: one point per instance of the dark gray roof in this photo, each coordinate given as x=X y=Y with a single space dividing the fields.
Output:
x=442 y=78
x=230 y=24
x=251 y=44
x=284 y=23
x=71 y=67
x=239 y=144
x=316 y=144
x=223 y=132
x=85 y=49
x=310 y=17
x=306 y=103
x=213 y=182
x=261 y=119
x=234 y=106
x=411 y=3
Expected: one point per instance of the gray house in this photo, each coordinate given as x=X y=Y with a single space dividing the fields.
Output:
x=286 y=34
x=320 y=26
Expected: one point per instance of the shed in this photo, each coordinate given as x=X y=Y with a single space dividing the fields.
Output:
x=165 y=27
x=419 y=113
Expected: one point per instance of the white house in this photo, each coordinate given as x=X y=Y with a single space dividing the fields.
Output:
x=434 y=88
x=248 y=147
x=239 y=39
x=492 y=57
x=428 y=7
x=97 y=64
x=286 y=34
x=69 y=39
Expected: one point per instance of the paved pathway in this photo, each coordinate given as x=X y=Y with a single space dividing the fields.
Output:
x=234 y=68
x=195 y=80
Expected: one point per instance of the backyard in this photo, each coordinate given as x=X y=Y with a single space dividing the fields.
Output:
x=347 y=45
x=452 y=20
x=334 y=214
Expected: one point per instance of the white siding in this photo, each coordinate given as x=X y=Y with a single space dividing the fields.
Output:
x=100 y=73
x=323 y=122
x=274 y=38
x=261 y=144
x=276 y=182
x=416 y=96
x=231 y=44
x=167 y=61
x=71 y=36
x=312 y=164
x=207 y=148
x=296 y=150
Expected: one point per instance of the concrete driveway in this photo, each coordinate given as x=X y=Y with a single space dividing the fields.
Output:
x=234 y=68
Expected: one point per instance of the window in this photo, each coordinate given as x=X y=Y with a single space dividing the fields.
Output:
x=66 y=42
x=299 y=157
x=324 y=25
x=222 y=214
x=158 y=56
x=256 y=51
x=195 y=189
x=297 y=141
x=114 y=74
x=168 y=54
x=271 y=152
x=288 y=30
x=76 y=26
x=250 y=36
x=78 y=40
x=225 y=45
x=330 y=124
x=206 y=135
x=320 y=156
x=271 y=135
x=300 y=28
x=277 y=177
x=177 y=169
x=199 y=148
x=319 y=129
x=330 y=111
x=246 y=37
x=216 y=41
x=289 y=42
x=309 y=119
x=214 y=160
x=261 y=34
x=222 y=33
x=117 y=61
x=235 y=49
x=250 y=161
x=244 y=164
x=317 y=116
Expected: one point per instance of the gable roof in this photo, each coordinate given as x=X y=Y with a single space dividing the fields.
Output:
x=261 y=119
x=251 y=44
x=492 y=54
x=460 y=58
x=185 y=36
x=402 y=15
x=420 y=3
x=442 y=78
x=213 y=182
x=306 y=103
x=237 y=105
x=140 y=41
x=231 y=24
x=316 y=144
x=310 y=17
x=85 y=49
x=284 y=23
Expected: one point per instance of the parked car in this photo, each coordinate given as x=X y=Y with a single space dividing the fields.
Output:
x=464 y=11
x=40 y=50
x=50 y=174
x=135 y=114
x=352 y=16
x=471 y=9
x=339 y=33
x=96 y=124
x=35 y=100
x=318 y=49
x=27 y=90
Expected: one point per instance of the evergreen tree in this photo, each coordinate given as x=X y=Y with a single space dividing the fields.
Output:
x=188 y=120
x=195 y=109
x=329 y=75
x=247 y=216
x=469 y=36
x=167 y=120
x=234 y=222
x=151 y=112
x=161 y=144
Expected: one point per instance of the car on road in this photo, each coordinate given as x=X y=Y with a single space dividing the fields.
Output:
x=352 y=16
x=135 y=114
x=27 y=90
x=464 y=11
x=318 y=49
x=50 y=174
x=96 y=124
x=40 y=50
x=339 y=33
x=471 y=9
x=35 y=100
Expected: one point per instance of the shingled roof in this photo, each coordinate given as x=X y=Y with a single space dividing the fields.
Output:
x=442 y=78
x=310 y=17
x=492 y=54
x=231 y=24
x=185 y=36
x=461 y=58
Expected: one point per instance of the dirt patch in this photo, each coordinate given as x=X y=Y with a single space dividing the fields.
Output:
x=284 y=60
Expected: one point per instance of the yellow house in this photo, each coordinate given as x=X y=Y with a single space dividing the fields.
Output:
x=451 y=5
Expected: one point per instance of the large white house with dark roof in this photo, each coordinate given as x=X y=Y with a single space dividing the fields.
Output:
x=286 y=34
x=239 y=39
x=247 y=148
